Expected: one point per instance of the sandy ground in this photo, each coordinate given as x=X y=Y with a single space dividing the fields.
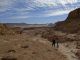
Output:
x=70 y=53
x=26 y=47
x=68 y=49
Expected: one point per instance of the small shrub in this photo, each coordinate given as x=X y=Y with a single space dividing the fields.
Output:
x=11 y=50
x=33 y=52
x=8 y=58
x=25 y=46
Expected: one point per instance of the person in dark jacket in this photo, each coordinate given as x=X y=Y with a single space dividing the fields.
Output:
x=53 y=43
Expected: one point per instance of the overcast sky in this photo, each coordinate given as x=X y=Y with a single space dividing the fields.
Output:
x=36 y=11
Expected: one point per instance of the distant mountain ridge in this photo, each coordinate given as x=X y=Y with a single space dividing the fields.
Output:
x=23 y=25
x=15 y=24
x=71 y=24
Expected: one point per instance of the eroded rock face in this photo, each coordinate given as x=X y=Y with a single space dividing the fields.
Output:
x=71 y=24
x=74 y=14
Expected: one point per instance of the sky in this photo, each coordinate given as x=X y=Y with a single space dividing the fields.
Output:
x=36 y=11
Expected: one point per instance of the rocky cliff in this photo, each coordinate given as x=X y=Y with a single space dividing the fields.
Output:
x=71 y=24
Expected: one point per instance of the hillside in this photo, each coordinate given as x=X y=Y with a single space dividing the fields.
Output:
x=71 y=24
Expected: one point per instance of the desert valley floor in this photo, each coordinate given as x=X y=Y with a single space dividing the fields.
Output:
x=27 y=46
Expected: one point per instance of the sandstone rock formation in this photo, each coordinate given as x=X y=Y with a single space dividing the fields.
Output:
x=71 y=24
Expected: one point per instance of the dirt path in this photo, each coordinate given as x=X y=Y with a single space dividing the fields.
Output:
x=62 y=48
x=67 y=51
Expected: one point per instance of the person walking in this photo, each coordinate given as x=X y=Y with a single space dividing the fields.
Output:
x=55 y=41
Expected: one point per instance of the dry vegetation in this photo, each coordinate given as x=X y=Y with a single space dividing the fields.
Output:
x=27 y=47
x=4 y=30
x=24 y=43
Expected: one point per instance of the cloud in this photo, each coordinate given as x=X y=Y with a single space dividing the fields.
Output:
x=6 y=4
x=56 y=13
x=33 y=4
x=23 y=9
x=44 y=3
x=65 y=6
x=19 y=17
x=51 y=13
x=29 y=8
x=49 y=3
x=68 y=1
